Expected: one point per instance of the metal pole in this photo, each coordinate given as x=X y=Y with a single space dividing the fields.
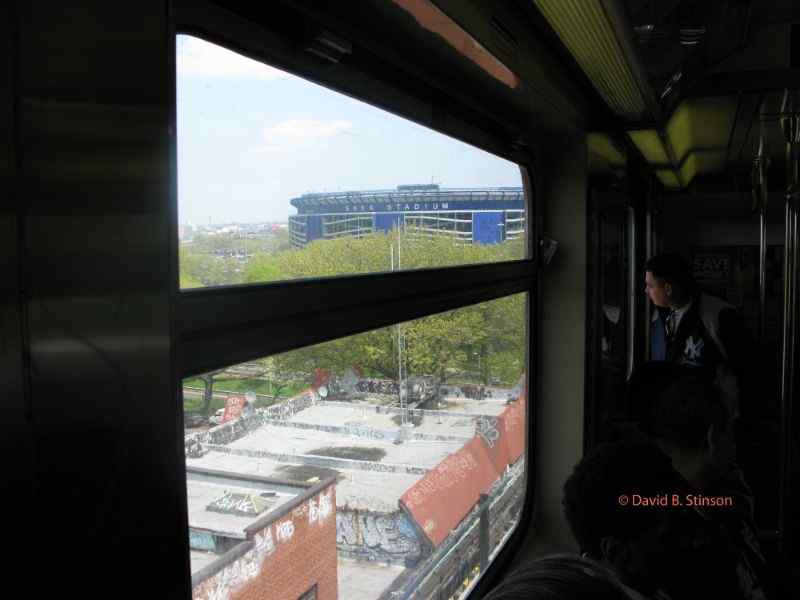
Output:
x=631 y=342
x=789 y=125
x=788 y=407
x=400 y=349
x=760 y=195
x=649 y=252
x=762 y=271
x=483 y=547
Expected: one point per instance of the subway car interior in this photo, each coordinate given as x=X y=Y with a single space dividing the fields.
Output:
x=316 y=300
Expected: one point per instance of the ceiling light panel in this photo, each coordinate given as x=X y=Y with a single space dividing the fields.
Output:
x=586 y=30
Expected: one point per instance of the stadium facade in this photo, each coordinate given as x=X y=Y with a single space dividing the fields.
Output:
x=474 y=215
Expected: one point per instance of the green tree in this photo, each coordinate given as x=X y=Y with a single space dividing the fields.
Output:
x=436 y=345
x=262 y=268
x=487 y=339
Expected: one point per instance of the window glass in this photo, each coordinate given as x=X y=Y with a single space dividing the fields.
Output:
x=388 y=461
x=275 y=171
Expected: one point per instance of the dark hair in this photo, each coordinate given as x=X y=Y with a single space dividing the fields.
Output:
x=683 y=412
x=675 y=403
x=673 y=268
x=560 y=577
x=609 y=471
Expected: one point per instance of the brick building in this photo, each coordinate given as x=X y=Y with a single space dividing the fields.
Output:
x=254 y=537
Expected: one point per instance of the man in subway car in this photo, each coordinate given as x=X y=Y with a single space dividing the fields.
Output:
x=695 y=329
x=683 y=413
x=628 y=507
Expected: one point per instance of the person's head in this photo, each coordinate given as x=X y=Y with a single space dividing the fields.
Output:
x=690 y=422
x=561 y=577
x=669 y=280
x=602 y=504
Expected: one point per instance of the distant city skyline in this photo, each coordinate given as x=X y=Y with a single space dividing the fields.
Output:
x=251 y=137
x=190 y=223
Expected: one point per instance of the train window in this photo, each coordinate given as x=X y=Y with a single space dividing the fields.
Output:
x=280 y=178
x=388 y=461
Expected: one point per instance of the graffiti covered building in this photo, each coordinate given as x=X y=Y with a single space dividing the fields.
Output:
x=246 y=531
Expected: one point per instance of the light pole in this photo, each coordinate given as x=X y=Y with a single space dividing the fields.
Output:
x=402 y=390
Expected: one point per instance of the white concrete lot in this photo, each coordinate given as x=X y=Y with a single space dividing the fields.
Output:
x=359 y=580
x=290 y=440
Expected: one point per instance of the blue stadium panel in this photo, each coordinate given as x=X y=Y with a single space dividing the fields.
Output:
x=386 y=221
x=487 y=227
x=314 y=228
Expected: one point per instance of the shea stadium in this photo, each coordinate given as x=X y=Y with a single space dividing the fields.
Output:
x=482 y=215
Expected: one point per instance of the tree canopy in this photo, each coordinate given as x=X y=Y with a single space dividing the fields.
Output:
x=484 y=342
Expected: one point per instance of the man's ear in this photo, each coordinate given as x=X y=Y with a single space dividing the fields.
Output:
x=712 y=439
x=613 y=550
x=668 y=288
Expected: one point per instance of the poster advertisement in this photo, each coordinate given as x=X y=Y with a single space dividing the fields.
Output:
x=731 y=273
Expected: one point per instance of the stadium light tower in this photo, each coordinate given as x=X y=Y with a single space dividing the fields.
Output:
x=401 y=343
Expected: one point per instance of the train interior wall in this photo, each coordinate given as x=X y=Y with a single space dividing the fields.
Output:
x=557 y=443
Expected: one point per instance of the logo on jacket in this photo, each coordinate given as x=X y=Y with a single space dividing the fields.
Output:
x=693 y=350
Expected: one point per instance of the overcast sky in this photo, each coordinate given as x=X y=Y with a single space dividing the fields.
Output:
x=251 y=137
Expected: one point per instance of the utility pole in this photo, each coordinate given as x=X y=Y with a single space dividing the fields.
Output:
x=401 y=388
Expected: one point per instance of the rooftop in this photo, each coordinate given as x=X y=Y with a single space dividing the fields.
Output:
x=375 y=459
x=228 y=505
x=355 y=488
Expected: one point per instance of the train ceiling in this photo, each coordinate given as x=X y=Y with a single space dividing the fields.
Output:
x=696 y=84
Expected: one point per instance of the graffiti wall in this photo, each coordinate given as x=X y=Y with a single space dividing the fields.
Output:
x=289 y=408
x=230 y=431
x=362 y=431
x=383 y=537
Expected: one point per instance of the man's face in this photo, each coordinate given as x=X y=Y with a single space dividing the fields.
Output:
x=656 y=289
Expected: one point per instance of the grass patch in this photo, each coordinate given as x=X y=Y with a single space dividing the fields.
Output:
x=259 y=386
x=195 y=403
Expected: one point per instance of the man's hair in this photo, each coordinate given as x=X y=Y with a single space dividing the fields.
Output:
x=683 y=412
x=592 y=493
x=674 y=269
x=560 y=577
x=675 y=403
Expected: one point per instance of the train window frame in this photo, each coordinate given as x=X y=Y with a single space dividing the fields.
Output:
x=223 y=326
